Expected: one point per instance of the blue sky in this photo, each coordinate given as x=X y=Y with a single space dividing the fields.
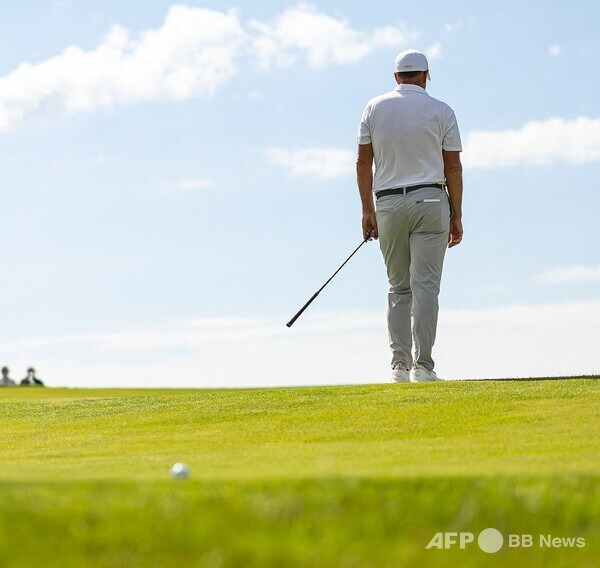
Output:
x=178 y=179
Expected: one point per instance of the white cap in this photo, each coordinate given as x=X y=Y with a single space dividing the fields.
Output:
x=411 y=60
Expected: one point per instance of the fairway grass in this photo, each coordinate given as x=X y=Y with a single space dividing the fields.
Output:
x=319 y=476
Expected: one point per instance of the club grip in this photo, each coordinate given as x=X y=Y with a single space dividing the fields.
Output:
x=301 y=310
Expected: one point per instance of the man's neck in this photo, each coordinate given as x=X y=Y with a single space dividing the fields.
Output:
x=415 y=83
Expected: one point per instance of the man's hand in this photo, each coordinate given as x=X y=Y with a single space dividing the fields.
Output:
x=456 y=233
x=369 y=226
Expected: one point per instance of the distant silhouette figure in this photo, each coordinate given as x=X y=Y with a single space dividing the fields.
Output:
x=6 y=381
x=31 y=380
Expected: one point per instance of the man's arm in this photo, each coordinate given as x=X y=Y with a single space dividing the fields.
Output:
x=453 y=173
x=364 y=177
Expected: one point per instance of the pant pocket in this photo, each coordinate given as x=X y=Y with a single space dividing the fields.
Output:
x=432 y=215
x=445 y=213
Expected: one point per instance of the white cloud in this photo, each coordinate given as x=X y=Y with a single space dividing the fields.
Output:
x=208 y=352
x=325 y=163
x=520 y=340
x=192 y=184
x=554 y=50
x=192 y=54
x=450 y=27
x=573 y=274
x=323 y=39
x=321 y=348
x=535 y=143
x=434 y=51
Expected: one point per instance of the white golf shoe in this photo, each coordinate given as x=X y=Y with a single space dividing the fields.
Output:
x=400 y=375
x=420 y=375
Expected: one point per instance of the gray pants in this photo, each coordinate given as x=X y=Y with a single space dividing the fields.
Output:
x=413 y=236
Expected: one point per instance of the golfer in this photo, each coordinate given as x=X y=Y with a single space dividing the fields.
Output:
x=414 y=142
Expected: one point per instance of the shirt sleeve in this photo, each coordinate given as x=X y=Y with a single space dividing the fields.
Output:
x=364 y=129
x=451 y=140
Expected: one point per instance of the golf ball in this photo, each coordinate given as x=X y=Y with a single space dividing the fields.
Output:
x=180 y=471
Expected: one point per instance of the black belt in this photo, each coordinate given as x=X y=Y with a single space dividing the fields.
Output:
x=401 y=190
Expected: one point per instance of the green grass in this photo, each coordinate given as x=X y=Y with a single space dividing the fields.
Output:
x=328 y=476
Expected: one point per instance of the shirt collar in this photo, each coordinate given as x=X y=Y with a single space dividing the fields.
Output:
x=404 y=87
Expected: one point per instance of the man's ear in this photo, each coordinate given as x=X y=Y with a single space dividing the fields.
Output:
x=396 y=78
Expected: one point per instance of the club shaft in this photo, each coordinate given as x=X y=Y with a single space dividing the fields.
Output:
x=312 y=299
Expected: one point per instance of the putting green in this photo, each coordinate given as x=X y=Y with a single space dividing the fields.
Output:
x=328 y=476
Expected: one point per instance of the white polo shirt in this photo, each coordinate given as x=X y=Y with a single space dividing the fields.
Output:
x=408 y=130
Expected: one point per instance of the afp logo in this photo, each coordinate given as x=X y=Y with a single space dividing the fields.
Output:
x=489 y=540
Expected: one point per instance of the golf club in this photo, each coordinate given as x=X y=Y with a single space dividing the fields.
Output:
x=301 y=310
